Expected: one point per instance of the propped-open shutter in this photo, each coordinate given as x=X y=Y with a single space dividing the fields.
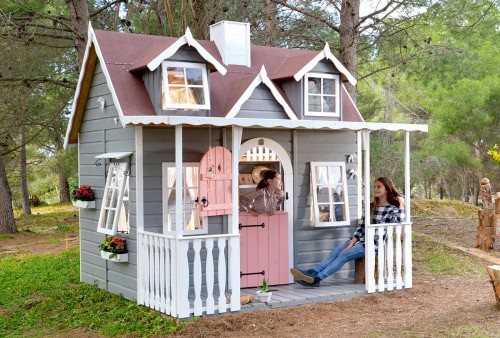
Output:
x=215 y=194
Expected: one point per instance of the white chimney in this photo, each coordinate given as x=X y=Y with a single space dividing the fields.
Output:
x=233 y=41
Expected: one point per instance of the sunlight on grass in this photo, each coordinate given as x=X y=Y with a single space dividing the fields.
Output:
x=42 y=295
x=442 y=208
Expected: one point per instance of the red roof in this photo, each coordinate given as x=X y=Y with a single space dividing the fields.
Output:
x=125 y=55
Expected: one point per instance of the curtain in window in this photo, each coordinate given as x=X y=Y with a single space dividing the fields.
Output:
x=192 y=185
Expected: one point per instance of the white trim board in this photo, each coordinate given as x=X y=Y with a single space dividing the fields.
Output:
x=271 y=123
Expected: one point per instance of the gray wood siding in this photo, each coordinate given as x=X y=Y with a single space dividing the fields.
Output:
x=312 y=244
x=262 y=105
x=152 y=81
x=101 y=133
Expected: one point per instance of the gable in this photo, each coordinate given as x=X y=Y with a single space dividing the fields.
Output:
x=262 y=105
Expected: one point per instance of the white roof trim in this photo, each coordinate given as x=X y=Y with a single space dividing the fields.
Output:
x=90 y=33
x=325 y=54
x=354 y=104
x=117 y=155
x=261 y=78
x=271 y=123
x=186 y=39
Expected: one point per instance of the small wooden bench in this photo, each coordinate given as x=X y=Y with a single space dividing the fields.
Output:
x=359 y=271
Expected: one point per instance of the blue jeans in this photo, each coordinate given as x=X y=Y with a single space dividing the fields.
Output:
x=338 y=258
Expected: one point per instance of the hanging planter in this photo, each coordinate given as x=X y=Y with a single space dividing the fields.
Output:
x=114 y=249
x=110 y=256
x=84 y=204
x=83 y=197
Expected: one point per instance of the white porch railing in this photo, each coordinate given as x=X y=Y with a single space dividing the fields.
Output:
x=164 y=273
x=394 y=257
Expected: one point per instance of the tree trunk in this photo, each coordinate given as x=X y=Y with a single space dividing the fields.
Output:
x=7 y=221
x=349 y=40
x=494 y=272
x=63 y=179
x=25 y=199
x=80 y=17
x=270 y=35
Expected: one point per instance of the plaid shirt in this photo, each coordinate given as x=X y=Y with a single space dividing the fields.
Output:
x=383 y=214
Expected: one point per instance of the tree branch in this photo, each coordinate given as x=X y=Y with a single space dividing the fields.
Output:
x=22 y=81
x=105 y=7
x=307 y=13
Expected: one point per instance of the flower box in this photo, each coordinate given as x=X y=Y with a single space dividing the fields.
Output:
x=120 y=258
x=263 y=297
x=84 y=204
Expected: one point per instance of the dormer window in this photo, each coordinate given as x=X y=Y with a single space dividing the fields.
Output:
x=322 y=95
x=184 y=86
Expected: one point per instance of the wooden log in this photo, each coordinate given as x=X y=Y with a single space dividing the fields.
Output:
x=494 y=272
x=359 y=271
x=486 y=229
x=486 y=193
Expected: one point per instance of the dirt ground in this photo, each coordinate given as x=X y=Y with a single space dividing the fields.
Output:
x=436 y=306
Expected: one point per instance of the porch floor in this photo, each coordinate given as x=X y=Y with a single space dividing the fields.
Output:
x=296 y=294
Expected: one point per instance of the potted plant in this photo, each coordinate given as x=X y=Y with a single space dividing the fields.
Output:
x=264 y=294
x=83 y=197
x=114 y=249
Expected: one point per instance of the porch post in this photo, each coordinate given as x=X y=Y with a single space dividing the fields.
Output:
x=234 y=247
x=408 y=276
x=369 y=232
x=180 y=266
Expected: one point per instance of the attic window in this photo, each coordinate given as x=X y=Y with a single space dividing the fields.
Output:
x=322 y=95
x=184 y=86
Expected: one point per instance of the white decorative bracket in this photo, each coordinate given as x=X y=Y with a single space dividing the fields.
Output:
x=102 y=104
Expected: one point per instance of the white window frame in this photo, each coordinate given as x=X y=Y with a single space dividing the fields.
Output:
x=116 y=186
x=337 y=94
x=314 y=186
x=165 y=85
x=170 y=228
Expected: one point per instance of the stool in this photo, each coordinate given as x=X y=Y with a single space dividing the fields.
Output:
x=359 y=270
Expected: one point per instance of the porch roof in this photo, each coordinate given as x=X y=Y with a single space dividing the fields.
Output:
x=269 y=123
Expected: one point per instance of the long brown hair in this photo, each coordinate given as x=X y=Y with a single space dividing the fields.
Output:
x=392 y=193
x=265 y=175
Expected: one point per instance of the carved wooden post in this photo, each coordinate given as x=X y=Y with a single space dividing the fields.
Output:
x=496 y=240
x=488 y=230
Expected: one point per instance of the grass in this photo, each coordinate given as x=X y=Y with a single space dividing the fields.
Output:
x=440 y=259
x=445 y=208
x=42 y=295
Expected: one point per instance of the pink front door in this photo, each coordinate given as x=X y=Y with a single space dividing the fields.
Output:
x=264 y=249
x=216 y=174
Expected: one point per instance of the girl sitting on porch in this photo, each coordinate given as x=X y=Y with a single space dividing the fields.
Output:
x=267 y=196
x=387 y=207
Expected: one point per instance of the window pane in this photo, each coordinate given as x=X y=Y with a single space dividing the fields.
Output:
x=177 y=95
x=314 y=85
x=339 y=212
x=329 y=86
x=124 y=216
x=175 y=75
x=329 y=104
x=194 y=76
x=321 y=175
x=196 y=96
x=335 y=175
x=314 y=103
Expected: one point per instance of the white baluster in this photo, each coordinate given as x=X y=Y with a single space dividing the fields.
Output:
x=399 y=279
x=407 y=256
x=173 y=278
x=221 y=243
x=209 y=274
x=234 y=269
x=150 y=281
x=168 y=276
x=157 y=274
x=390 y=258
x=381 y=259
x=140 y=269
x=183 y=274
x=162 y=275
x=370 y=260
x=197 y=277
